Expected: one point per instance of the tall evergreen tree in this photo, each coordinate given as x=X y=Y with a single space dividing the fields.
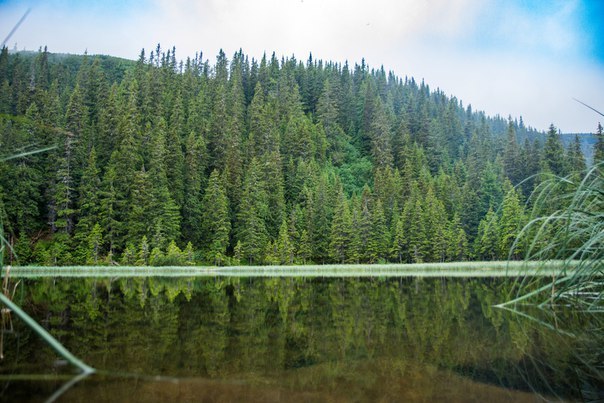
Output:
x=511 y=156
x=284 y=246
x=251 y=229
x=215 y=223
x=575 y=157
x=599 y=146
x=164 y=212
x=379 y=241
x=89 y=211
x=511 y=222
x=341 y=229
x=194 y=182
x=553 y=152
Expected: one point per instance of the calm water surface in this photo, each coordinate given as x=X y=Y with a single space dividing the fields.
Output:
x=296 y=339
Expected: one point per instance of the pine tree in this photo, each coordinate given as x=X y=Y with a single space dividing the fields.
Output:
x=263 y=135
x=435 y=223
x=174 y=159
x=64 y=192
x=215 y=223
x=253 y=209
x=378 y=244
x=575 y=157
x=120 y=174
x=381 y=137
x=414 y=227
x=486 y=246
x=165 y=216
x=364 y=225
x=195 y=159
x=511 y=155
x=139 y=218
x=283 y=245
x=272 y=177
x=553 y=152
x=108 y=136
x=305 y=248
x=399 y=243
x=328 y=116
x=599 y=146
x=95 y=243
x=511 y=222
x=457 y=248
x=89 y=209
x=109 y=206
x=341 y=229
x=320 y=216
x=23 y=178
x=142 y=257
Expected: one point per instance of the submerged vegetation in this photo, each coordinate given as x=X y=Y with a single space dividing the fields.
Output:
x=257 y=162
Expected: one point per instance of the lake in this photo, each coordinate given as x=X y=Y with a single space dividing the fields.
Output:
x=228 y=337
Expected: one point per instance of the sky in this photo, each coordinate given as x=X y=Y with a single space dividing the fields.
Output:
x=506 y=57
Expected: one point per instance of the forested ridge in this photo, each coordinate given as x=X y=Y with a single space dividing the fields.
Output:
x=272 y=161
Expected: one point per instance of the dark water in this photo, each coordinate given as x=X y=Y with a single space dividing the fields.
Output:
x=297 y=339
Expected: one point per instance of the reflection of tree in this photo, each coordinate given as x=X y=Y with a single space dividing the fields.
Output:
x=569 y=356
x=316 y=334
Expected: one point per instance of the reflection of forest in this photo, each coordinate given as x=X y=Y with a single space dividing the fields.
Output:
x=365 y=338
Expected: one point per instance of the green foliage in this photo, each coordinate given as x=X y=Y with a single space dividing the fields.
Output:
x=251 y=229
x=216 y=224
x=599 y=146
x=566 y=223
x=247 y=161
x=341 y=231
x=511 y=222
x=553 y=152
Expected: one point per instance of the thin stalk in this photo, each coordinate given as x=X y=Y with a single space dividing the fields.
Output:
x=54 y=343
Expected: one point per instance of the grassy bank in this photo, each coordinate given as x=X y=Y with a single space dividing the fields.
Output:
x=453 y=269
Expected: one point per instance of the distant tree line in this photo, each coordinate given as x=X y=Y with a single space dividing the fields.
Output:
x=159 y=161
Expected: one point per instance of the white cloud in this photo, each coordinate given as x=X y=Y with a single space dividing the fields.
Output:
x=528 y=65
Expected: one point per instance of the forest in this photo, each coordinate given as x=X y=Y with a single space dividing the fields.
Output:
x=158 y=161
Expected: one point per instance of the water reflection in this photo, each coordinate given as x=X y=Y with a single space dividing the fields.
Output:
x=271 y=339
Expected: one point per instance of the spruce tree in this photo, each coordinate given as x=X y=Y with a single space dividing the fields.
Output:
x=457 y=248
x=89 y=209
x=553 y=152
x=164 y=212
x=251 y=228
x=283 y=245
x=486 y=245
x=599 y=146
x=215 y=223
x=95 y=244
x=381 y=136
x=378 y=244
x=511 y=155
x=575 y=157
x=341 y=231
x=510 y=223
x=109 y=207
x=399 y=243
x=194 y=179
x=174 y=159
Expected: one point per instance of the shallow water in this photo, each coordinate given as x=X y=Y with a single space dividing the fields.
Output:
x=296 y=339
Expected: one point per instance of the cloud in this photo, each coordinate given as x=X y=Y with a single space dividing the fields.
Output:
x=512 y=57
x=337 y=30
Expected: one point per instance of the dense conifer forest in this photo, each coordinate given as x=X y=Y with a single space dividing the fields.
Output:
x=273 y=161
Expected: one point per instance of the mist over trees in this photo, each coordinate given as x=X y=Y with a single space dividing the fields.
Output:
x=271 y=161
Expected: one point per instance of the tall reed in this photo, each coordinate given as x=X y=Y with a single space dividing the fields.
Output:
x=566 y=224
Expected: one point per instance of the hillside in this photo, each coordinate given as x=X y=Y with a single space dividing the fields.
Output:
x=272 y=161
